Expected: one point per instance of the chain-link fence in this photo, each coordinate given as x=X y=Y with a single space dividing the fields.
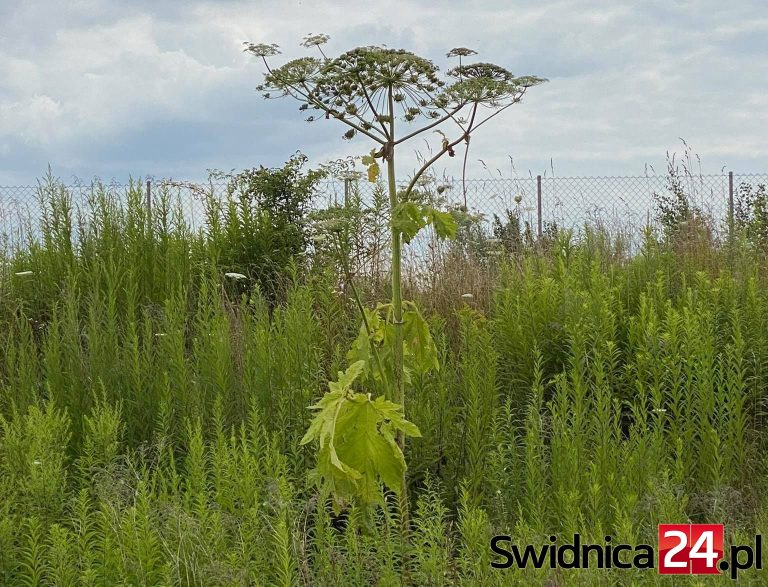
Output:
x=627 y=204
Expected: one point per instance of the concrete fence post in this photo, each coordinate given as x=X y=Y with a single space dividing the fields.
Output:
x=539 y=227
x=347 y=191
x=730 y=206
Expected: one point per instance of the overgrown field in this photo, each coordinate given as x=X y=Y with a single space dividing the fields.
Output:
x=151 y=407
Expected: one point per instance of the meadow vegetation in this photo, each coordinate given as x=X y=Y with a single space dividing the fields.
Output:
x=155 y=380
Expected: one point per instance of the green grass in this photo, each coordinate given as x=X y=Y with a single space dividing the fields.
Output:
x=151 y=411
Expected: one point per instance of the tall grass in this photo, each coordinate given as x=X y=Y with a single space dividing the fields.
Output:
x=151 y=409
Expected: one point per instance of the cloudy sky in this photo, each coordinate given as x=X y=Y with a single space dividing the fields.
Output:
x=116 y=89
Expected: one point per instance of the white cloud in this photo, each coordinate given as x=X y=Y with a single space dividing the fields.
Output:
x=95 y=82
x=82 y=79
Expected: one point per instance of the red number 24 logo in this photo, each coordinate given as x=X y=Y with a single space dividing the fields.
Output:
x=690 y=549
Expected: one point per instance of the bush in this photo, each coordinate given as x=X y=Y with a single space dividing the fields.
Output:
x=685 y=226
x=262 y=228
x=751 y=214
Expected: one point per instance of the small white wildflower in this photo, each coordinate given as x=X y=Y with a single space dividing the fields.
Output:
x=158 y=334
x=467 y=296
x=37 y=463
x=237 y=276
x=331 y=224
x=24 y=273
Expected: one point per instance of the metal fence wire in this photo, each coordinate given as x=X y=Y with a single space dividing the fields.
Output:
x=624 y=203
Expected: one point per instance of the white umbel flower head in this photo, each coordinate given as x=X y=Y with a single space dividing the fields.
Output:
x=236 y=276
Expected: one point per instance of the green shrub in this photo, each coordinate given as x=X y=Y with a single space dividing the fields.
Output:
x=262 y=227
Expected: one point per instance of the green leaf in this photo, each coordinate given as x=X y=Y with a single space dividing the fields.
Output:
x=444 y=223
x=347 y=378
x=324 y=423
x=366 y=450
x=318 y=425
x=394 y=413
x=388 y=433
x=361 y=348
x=408 y=219
x=356 y=436
x=420 y=350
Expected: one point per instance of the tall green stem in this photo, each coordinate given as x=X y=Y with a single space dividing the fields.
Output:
x=397 y=298
x=397 y=303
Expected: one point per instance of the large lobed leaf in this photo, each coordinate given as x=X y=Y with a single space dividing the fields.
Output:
x=374 y=345
x=410 y=217
x=356 y=435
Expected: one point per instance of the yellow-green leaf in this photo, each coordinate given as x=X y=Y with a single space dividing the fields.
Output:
x=373 y=172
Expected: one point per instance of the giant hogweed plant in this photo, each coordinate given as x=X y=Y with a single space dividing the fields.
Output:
x=372 y=90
